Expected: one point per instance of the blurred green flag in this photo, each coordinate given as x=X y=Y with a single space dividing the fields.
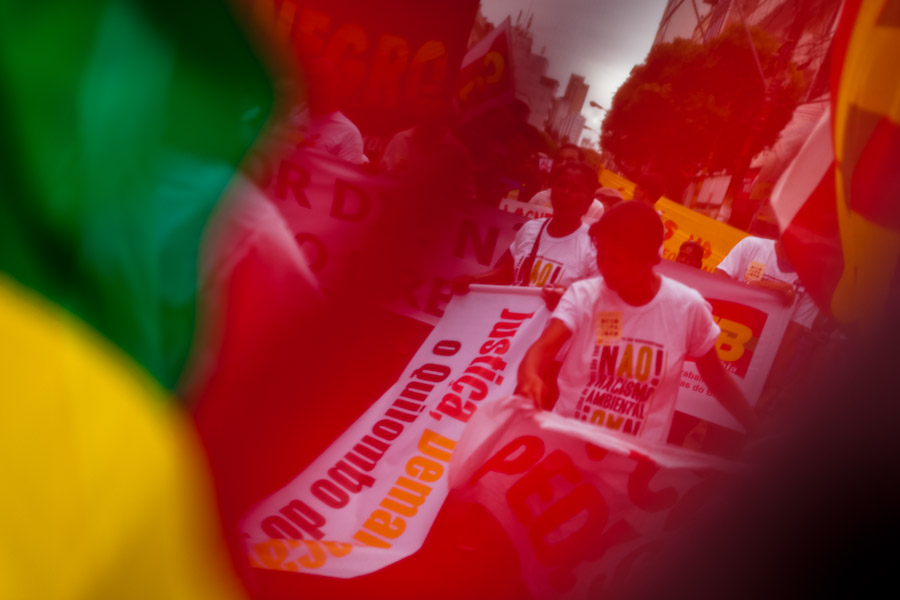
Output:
x=121 y=122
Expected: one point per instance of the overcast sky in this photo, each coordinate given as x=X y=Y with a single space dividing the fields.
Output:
x=600 y=39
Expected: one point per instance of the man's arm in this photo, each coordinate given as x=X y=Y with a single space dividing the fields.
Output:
x=726 y=391
x=785 y=290
x=552 y=293
x=537 y=359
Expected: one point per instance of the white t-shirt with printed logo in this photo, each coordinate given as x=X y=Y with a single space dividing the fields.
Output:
x=559 y=260
x=755 y=258
x=623 y=366
x=333 y=133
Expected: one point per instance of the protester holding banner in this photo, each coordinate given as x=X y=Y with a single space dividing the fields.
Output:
x=763 y=263
x=553 y=252
x=629 y=332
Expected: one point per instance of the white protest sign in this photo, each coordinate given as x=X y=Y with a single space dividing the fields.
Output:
x=531 y=211
x=372 y=496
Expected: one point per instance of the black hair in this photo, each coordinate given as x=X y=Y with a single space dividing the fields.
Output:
x=582 y=170
x=571 y=147
x=632 y=225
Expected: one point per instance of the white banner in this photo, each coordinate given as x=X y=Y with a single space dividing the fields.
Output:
x=372 y=496
x=531 y=211
x=582 y=506
x=752 y=320
x=365 y=231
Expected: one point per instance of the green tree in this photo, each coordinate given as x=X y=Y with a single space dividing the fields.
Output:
x=691 y=106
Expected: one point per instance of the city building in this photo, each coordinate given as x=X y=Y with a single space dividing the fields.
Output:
x=532 y=84
x=530 y=72
x=566 y=121
x=559 y=116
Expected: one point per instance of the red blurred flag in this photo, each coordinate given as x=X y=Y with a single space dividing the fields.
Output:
x=837 y=205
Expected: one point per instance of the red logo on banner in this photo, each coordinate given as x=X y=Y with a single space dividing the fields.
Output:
x=741 y=327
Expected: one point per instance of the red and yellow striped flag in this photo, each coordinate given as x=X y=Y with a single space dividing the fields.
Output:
x=838 y=204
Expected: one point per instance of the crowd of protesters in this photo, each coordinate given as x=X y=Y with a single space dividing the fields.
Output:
x=449 y=158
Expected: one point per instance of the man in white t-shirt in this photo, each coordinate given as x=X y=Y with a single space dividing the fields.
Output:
x=629 y=331
x=331 y=132
x=318 y=122
x=550 y=253
x=763 y=263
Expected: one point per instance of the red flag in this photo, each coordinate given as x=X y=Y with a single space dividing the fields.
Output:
x=838 y=203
